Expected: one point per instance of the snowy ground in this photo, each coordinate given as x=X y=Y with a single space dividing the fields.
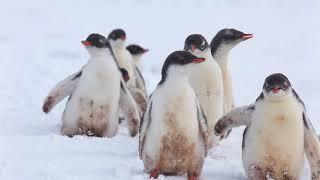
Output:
x=40 y=45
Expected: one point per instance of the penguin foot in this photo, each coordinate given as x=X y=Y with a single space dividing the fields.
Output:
x=193 y=176
x=154 y=174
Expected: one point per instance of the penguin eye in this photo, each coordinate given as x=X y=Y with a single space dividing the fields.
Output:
x=203 y=46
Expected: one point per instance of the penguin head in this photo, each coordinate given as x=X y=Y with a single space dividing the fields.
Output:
x=96 y=43
x=179 y=62
x=136 y=50
x=276 y=86
x=117 y=38
x=196 y=44
x=125 y=74
x=226 y=39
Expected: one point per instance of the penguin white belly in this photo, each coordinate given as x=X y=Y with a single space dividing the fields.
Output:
x=274 y=143
x=228 y=101
x=124 y=60
x=207 y=83
x=173 y=144
x=93 y=107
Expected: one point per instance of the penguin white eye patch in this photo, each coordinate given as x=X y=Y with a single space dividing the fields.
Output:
x=103 y=41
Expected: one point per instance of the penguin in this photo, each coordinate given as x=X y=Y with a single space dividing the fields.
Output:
x=95 y=94
x=206 y=81
x=173 y=130
x=137 y=94
x=117 y=39
x=136 y=51
x=221 y=45
x=278 y=133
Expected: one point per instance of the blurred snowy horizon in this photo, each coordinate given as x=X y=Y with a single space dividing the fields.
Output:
x=40 y=45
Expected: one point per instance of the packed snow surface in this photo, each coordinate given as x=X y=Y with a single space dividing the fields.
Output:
x=40 y=45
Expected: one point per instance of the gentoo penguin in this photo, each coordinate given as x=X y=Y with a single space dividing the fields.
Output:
x=136 y=93
x=206 y=81
x=125 y=60
x=117 y=40
x=173 y=132
x=136 y=51
x=278 y=133
x=96 y=92
x=221 y=45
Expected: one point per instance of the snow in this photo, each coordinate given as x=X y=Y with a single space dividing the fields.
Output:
x=40 y=45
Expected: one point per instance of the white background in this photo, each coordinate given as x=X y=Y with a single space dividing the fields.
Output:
x=40 y=45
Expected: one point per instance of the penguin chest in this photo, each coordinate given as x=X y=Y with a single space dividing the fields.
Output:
x=207 y=83
x=99 y=82
x=227 y=90
x=275 y=138
x=179 y=140
x=207 y=79
x=95 y=101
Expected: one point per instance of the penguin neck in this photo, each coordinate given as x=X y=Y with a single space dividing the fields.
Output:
x=99 y=54
x=118 y=49
x=175 y=76
x=283 y=97
x=221 y=55
x=136 y=58
x=123 y=58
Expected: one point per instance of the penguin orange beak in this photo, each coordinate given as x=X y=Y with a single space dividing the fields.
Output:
x=198 y=60
x=275 y=89
x=123 y=38
x=247 y=36
x=145 y=50
x=86 y=43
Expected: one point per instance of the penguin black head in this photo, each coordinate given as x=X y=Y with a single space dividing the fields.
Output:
x=195 y=43
x=178 y=60
x=125 y=74
x=227 y=38
x=136 y=49
x=95 y=40
x=117 y=34
x=277 y=85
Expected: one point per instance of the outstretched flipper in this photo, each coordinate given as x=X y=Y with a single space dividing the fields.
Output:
x=129 y=109
x=203 y=124
x=60 y=91
x=311 y=148
x=240 y=116
x=145 y=120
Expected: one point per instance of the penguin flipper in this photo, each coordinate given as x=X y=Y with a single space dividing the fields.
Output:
x=144 y=124
x=140 y=80
x=139 y=96
x=203 y=124
x=240 y=116
x=311 y=147
x=63 y=89
x=129 y=109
